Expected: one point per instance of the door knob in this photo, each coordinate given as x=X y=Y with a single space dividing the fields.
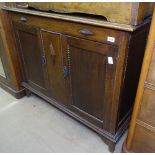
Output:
x=23 y=19
x=43 y=60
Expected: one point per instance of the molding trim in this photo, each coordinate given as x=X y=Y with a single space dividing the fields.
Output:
x=17 y=94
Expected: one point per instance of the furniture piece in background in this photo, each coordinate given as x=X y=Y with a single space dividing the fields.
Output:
x=10 y=76
x=82 y=66
x=141 y=136
x=118 y=12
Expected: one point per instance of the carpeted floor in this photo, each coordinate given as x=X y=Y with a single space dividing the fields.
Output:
x=33 y=125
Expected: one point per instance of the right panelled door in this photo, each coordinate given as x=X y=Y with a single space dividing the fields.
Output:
x=91 y=71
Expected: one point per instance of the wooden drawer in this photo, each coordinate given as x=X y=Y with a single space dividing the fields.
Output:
x=85 y=31
x=147 y=108
x=143 y=140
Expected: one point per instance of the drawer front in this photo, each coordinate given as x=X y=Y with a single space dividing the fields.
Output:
x=85 y=31
x=147 y=108
x=143 y=140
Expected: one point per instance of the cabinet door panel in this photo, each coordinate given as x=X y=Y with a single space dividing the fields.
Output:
x=52 y=47
x=87 y=81
x=91 y=77
x=33 y=57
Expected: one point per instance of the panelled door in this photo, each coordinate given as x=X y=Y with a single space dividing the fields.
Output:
x=33 y=57
x=91 y=71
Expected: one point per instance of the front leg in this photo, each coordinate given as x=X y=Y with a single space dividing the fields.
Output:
x=28 y=92
x=111 y=145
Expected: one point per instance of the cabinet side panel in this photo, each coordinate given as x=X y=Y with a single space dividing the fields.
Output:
x=133 y=68
x=11 y=55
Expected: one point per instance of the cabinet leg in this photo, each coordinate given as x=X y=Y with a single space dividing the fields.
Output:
x=28 y=92
x=111 y=145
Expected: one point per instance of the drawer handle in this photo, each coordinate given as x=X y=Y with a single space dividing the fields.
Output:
x=86 y=32
x=23 y=19
x=43 y=59
x=53 y=53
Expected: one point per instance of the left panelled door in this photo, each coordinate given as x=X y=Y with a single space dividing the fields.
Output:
x=32 y=56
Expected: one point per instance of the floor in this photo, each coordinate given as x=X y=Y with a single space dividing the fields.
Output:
x=32 y=125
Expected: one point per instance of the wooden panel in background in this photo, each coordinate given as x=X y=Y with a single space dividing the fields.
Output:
x=120 y=12
x=12 y=81
x=141 y=136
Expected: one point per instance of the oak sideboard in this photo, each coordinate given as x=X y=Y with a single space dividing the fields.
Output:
x=88 y=68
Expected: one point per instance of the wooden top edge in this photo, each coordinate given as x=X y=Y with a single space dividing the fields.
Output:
x=95 y=22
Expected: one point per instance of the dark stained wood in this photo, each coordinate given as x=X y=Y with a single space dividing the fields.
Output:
x=77 y=77
x=70 y=28
x=56 y=68
x=9 y=82
x=132 y=72
x=91 y=77
x=32 y=55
